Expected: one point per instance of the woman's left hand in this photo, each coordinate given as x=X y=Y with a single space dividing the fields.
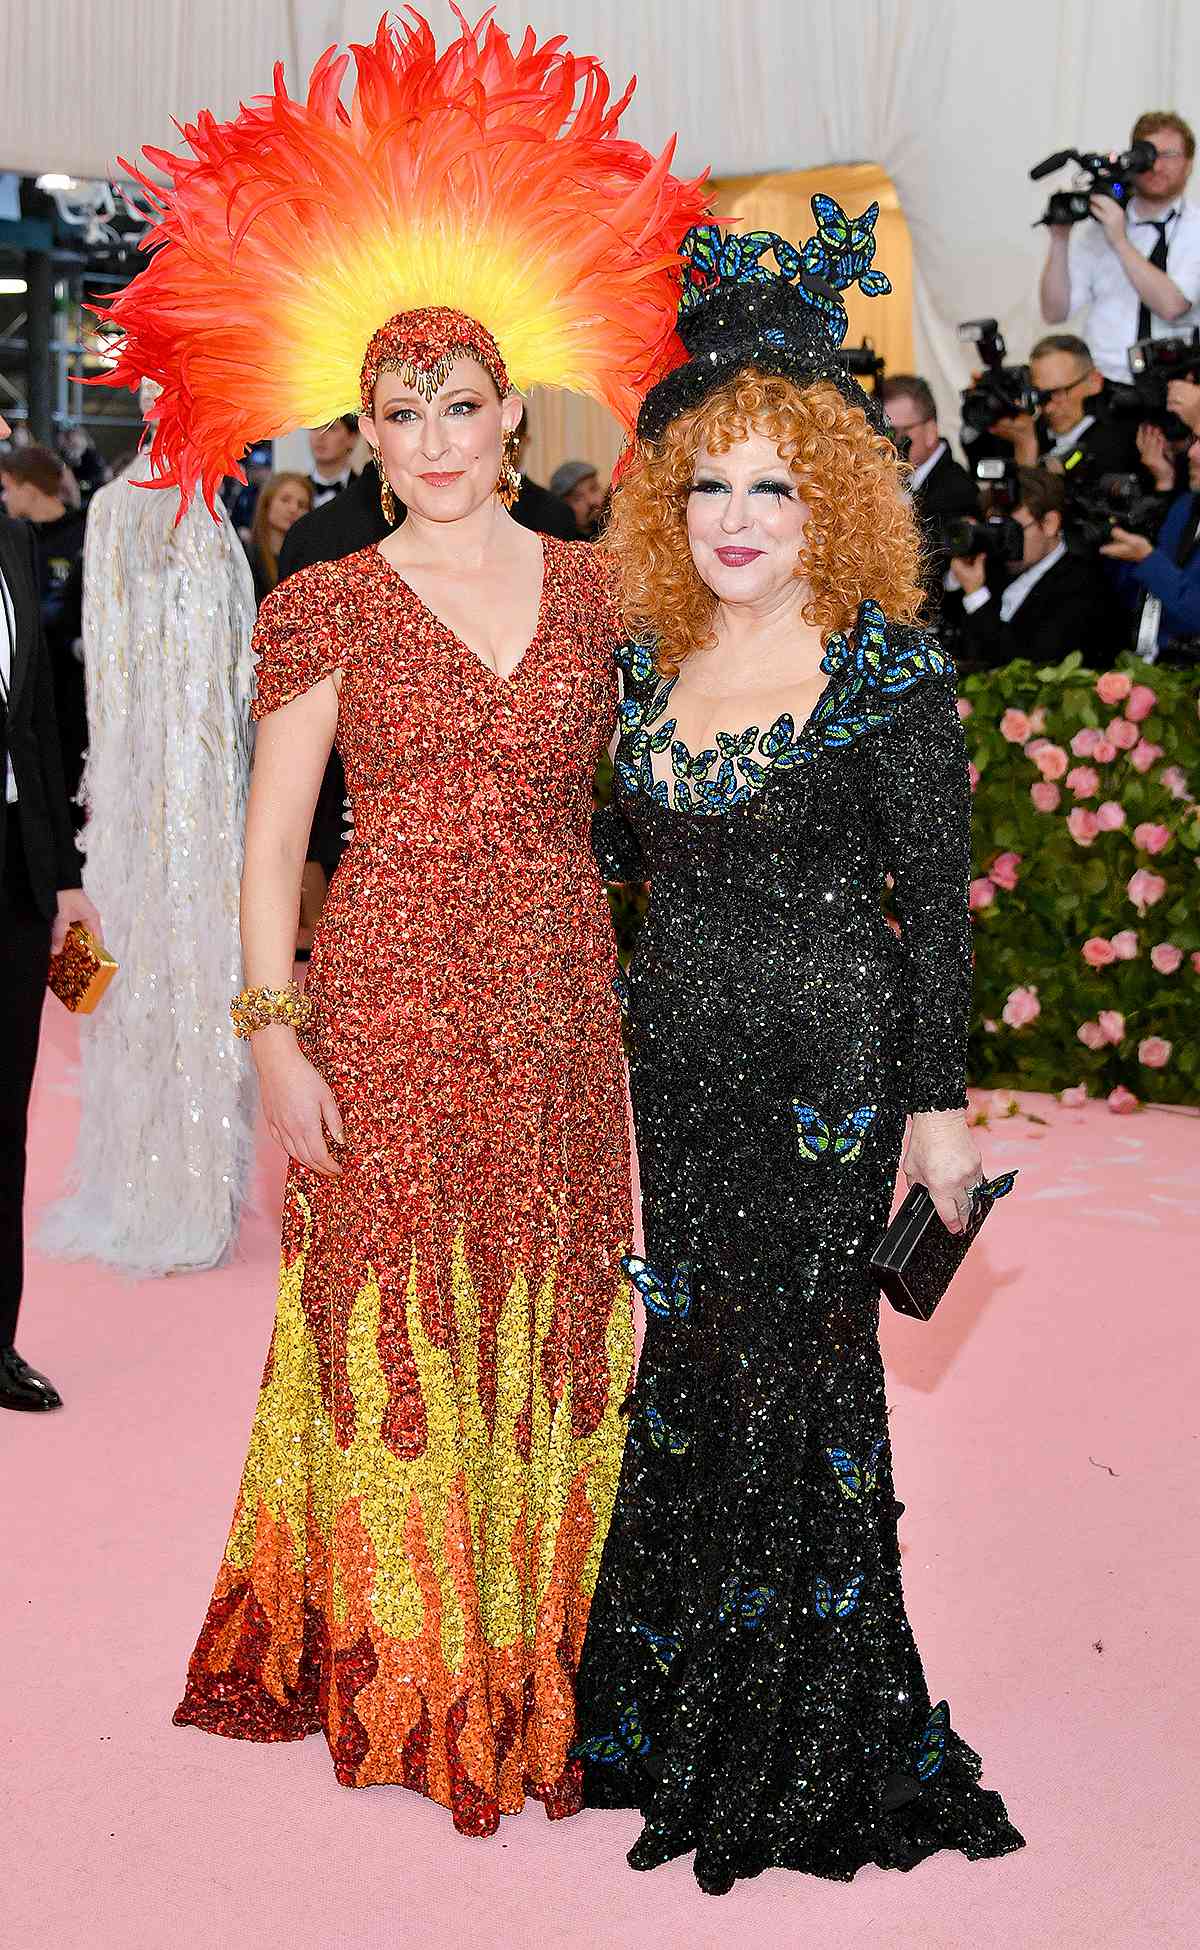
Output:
x=943 y=1156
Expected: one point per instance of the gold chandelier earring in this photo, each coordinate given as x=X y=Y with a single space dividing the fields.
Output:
x=387 y=499
x=508 y=481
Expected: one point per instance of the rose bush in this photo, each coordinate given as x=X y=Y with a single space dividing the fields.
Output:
x=1102 y=922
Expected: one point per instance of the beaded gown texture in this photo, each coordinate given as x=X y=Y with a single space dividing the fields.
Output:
x=750 y=1680
x=437 y=1442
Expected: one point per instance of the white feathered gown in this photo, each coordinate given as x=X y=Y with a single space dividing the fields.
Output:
x=164 y=1152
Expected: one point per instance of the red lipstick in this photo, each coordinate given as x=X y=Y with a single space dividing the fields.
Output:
x=737 y=558
x=441 y=480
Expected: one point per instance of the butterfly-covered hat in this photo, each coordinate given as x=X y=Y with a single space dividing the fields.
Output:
x=737 y=311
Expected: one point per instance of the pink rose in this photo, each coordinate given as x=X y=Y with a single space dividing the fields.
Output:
x=1166 y=957
x=990 y=1026
x=1083 y=781
x=1021 y=1008
x=1122 y=1102
x=1082 y=825
x=1003 y=871
x=1075 y=1097
x=1151 y=838
x=1196 y=961
x=965 y=707
x=1122 y=734
x=1104 y=751
x=1125 y=945
x=1051 y=761
x=1004 y=1104
x=1110 y=816
x=1145 y=888
x=1044 y=795
x=1084 y=743
x=1112 y=1025
x=972 y=773
x=1097 y=952
x=1015 y=726
x=1144 y=755
x=980 y=893
x=1113 y=686
x=1175 y=779
x=1090 y=1035
x=1140 y=702
x=1037 y=720
x=1154 y=1052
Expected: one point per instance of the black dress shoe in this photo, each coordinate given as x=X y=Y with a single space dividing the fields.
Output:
x=22 y=1386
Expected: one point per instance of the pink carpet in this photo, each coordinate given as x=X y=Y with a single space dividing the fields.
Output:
x=1045 y=1433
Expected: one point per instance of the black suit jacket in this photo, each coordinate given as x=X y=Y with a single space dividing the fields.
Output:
x=1069 y=609
x=40 y=821
x=547 y=514
x=947 y=489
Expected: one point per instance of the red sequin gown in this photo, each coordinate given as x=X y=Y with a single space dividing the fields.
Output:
x=435 y=1453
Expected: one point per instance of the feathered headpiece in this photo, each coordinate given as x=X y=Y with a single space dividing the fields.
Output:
x=489 y=182
x=736 y=310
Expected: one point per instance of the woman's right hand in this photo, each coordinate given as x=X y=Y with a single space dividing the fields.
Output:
x=300 y=1107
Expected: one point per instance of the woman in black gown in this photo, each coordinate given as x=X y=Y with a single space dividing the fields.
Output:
x=749 y=1679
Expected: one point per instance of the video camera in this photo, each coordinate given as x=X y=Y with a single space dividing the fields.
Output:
x=1003 y=390
x=864 y=363
x=1111 y=175
x=1098 y=503
x=1154 y=363
x=997 y=535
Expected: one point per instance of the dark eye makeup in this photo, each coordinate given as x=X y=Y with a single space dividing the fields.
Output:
x=782 y=489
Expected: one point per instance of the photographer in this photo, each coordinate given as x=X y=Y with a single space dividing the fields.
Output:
x=1183 y=399
x=939 y=487
x=1072 y=414
x=1053 y=602
x=1161 y=579
x=1136 y=269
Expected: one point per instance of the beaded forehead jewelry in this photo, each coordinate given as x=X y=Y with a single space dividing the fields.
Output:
x=488 y=182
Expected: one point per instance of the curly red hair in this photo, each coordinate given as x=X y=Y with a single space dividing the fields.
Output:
x=861 y=539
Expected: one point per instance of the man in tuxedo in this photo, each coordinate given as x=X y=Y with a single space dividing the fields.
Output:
x=1074 y=422
x=40 y=896
x=1054 y=602
x=941 y=490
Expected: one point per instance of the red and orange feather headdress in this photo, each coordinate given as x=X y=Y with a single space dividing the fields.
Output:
x=488 y=180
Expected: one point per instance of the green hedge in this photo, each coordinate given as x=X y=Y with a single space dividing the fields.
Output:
x=1059 y=836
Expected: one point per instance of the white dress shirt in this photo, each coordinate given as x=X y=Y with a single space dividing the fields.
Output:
x=8 y=649
x=1018 y=588
x=921 y=474
x=1100 y=284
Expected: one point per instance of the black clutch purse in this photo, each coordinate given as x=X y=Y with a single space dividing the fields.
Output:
x=917 y=1258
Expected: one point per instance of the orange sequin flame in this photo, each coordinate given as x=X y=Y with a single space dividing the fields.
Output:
x=488 y=179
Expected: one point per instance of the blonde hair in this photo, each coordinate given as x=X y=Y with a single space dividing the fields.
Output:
x=861 y=538
x=260 y=527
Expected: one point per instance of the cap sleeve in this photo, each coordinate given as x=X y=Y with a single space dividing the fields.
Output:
x=305 y=630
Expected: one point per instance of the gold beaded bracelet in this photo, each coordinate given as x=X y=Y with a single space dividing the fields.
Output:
x=256 y=1008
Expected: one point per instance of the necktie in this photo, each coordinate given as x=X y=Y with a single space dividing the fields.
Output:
x=1157 y=257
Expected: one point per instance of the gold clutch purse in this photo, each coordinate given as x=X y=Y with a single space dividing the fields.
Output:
x=80 y=971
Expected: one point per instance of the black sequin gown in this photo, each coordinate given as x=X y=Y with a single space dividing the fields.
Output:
x=749 y=1677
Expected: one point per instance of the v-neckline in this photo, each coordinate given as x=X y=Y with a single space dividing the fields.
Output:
x=468 y=655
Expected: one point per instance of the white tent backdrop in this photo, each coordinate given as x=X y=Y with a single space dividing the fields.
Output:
x=955 y=100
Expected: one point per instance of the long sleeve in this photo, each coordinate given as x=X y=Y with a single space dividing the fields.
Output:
x=923 y=808
x=1177 y=588
x=617 y=848
x=68 y=865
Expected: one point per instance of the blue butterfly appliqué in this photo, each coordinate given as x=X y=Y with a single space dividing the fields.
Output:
x=843 y=1141
x=630 y=1739
x=663 y=1436
x=829 y=1602
x=747 y=1605
x=669 y=1299
x=856 y=1480
x=663 y=1645
x=843 y=248
x=931 y=1745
